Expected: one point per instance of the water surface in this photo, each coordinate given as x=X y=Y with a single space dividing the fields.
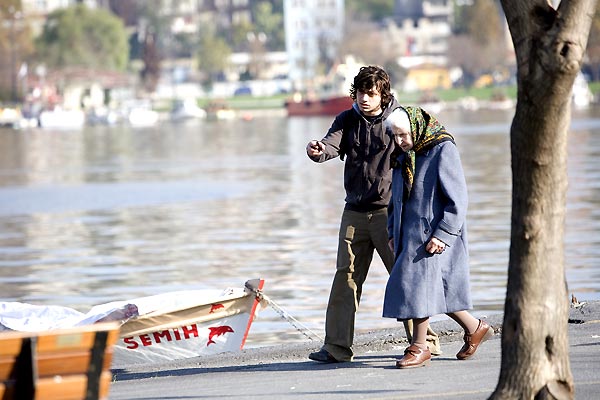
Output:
x=111 y=213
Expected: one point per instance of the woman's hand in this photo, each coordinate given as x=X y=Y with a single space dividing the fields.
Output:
x=435 y=246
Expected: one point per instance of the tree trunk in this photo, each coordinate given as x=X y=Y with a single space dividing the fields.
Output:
x=549 y=45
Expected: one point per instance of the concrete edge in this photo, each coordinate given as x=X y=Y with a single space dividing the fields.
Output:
x=374 y=341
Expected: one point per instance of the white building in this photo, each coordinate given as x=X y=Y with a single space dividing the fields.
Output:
x=421 y=29
x=36 y=11
x=313 y=31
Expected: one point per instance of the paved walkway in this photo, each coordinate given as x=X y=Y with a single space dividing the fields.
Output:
x=284 y=372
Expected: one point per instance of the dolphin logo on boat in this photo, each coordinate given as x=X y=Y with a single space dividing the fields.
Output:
x=215 y=307
x=217 y=331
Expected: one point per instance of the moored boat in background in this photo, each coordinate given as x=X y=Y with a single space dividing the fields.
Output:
x=59 y=118
x=323 y=106
x=186 y=109
x=219 y=110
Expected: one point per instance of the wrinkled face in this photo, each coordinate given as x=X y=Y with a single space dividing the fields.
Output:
x=369 y=102
x=403 y=138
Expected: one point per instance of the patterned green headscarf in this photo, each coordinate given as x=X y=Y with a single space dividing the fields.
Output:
x=427 y=132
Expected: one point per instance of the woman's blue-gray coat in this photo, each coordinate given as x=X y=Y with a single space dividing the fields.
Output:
x=423 y=284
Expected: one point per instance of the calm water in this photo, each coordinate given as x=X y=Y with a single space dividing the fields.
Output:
x=111 y=213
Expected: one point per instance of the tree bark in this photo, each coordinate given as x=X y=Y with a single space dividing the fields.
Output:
x=549 y=45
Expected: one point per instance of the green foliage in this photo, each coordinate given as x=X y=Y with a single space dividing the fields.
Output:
x=84 y=37
x=270 y=22
x=374 y=10
x=595 y=88
x=454 y=94
x=156 y=23
x=446 y=95
x=250 y=102
x=267 y=17
x=239 y=34
x=460 y=21
x=213 y=54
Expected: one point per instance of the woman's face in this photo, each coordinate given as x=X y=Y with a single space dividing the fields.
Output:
x=369 y=102
x=403 y=138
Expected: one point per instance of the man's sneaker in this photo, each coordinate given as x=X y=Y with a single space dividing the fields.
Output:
x=322 y=356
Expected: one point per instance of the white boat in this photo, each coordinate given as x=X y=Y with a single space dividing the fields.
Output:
x=10 y=116
x=582 y=96
x=62 y=119
x=163 y=327
x=188 y=324
x=187 y=109
x=142 y=117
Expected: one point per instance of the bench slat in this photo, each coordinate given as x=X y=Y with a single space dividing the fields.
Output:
x=51 y=341
x=71 y=387
x=60 y=364
x=56 y=364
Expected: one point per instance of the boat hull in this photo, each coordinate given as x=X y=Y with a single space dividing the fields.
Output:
x=319 y=107
x=162 y=327
x=219 y=324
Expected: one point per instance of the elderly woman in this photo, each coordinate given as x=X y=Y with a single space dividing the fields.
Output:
x=427 y=230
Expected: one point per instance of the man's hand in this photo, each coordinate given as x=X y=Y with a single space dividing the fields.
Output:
x=435 y=245
x=314 y=148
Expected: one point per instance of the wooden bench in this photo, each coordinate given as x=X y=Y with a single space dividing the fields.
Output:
x=62 y=364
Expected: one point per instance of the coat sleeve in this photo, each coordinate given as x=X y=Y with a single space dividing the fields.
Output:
x=454 y=187
x=332 y=141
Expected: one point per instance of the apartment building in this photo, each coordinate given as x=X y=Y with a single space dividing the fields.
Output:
x=313 y=31
x=422 y=29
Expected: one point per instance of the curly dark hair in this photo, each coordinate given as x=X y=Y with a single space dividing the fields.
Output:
x=370 y=77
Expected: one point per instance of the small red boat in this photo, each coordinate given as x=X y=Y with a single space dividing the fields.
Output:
x=320 y=106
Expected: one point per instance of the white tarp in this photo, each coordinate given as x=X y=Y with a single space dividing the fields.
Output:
x=34 y=318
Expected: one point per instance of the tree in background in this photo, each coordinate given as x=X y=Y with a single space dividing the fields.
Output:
x=213 y=55
x=154 y=33
x=15 y=48
x=127 y=10
x=373 y=10
x=269 y=20
x=593 y=47
x=366 y=41
x=478 y=42
x=151 y=58
x=550 y=46
x=80 y=36
x=239 y=35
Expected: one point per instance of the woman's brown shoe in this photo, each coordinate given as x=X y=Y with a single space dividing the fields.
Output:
x=414 y=356
x=472 y=341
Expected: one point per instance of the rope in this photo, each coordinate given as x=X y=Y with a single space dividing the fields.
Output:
x=285 y=315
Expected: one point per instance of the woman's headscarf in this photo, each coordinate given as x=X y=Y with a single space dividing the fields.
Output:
x=427 y=132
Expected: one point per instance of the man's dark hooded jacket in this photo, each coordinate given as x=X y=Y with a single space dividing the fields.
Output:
x=366 y=146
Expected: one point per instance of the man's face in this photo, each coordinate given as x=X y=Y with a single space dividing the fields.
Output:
x=369 y=102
